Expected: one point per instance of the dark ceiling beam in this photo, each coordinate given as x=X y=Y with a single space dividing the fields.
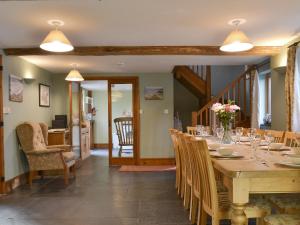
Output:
x=146 y=50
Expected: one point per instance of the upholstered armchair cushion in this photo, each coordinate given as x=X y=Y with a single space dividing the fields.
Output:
x=31 y=137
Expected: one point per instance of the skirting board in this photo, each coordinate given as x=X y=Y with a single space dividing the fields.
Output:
x=101 y=145
x=156 y=161
x=15 y=182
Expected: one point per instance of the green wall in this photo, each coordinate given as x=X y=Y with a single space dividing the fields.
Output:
x=28 y=110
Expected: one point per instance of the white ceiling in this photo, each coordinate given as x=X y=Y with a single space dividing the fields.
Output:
x=144 y=22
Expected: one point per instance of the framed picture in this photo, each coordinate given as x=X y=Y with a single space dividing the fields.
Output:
x=44 y=95
x=154 y=93
x=16 y=88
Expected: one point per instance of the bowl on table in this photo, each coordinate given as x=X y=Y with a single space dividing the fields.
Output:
x=294 y=158
x=276 y=145
x=214 y=146
x=225 y=150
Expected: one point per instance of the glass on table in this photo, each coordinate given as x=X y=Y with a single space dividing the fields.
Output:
x=199 y=129
x=239 y=133
x=252 y=133
x=268 y=139
x=255 y=142
x=220 y=132
x=234 y=136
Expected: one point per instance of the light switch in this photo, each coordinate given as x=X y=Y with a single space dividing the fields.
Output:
x=141 y=111
x=6 y=110
x=166 y=111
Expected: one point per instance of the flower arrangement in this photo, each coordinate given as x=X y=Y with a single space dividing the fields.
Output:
x=225 y=114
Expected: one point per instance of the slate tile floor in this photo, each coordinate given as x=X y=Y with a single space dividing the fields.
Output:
x=99 y=196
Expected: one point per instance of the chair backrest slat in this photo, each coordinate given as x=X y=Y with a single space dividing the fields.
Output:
x=124 y=128
x=191 y=130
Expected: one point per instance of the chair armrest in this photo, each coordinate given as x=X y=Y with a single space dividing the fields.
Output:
x=44 y=151
x=66 y=148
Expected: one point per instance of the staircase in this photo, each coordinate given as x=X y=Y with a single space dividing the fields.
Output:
x=240 y=91
x=197 y=79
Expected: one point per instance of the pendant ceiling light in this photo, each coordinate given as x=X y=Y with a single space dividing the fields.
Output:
x=236 y=41
x=56 y=41
x=74 y=75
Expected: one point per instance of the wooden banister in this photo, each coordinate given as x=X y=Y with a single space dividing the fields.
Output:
x=231 y=92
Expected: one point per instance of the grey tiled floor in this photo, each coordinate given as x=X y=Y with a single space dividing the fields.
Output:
x=99 y=196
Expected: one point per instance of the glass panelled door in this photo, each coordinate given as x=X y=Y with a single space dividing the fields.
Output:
x=122 y=119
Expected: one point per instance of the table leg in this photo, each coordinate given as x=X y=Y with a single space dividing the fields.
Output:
x=238 y=214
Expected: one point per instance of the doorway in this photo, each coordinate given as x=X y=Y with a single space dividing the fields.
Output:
x=118 y=110
x=2 y=180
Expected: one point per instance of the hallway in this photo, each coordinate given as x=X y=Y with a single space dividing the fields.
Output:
x=99 y=196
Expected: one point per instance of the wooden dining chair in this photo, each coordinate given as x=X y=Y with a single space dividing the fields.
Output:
x=188 y=169
x=182 y=163
x=290 y=139
x=191 y=130
x=217 y=204
x=260 y=132
x=177 y=158
x=125 y=132
x=277 y=135
x=195 y=187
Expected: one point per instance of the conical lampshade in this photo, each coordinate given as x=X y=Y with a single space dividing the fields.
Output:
x=236 y=41
x=74 y=75
x=56 y=41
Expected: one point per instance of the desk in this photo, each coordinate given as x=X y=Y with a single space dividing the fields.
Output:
x=58 y=137
x=248 y=176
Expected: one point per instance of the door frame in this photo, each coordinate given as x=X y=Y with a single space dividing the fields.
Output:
x=2 y=172
x=70 y=92
x=136 y=107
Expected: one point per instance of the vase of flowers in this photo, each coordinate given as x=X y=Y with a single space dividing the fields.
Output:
x=225 y=114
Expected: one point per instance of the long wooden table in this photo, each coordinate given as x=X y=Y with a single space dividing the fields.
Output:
x=249 y=175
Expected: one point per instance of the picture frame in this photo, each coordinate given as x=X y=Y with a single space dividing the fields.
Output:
x=44 y=95
x=154 y=93
x=16 y=88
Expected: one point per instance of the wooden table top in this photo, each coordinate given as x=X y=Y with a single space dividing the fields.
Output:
x=265 y=166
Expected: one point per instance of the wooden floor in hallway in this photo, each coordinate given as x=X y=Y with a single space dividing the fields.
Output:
x=100 y=195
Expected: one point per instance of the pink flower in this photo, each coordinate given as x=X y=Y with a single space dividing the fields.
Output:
x=234 y=108
x=217 y=107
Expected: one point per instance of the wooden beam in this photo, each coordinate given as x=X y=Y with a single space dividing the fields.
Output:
x=145 y=50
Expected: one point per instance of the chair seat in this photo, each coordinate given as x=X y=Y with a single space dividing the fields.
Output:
x=283 y=219
x=69 y=156
x=257 y=207
x=286 y=203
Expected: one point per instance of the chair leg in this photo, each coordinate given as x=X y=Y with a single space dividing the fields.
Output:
x=66 y=176
x=199 y=213
x=203 y=217
x=182 y=188
x=74 y=170
x=30 y=178
x=187 y=196
x=193 y=209
x=120 y=151
x=260 y=221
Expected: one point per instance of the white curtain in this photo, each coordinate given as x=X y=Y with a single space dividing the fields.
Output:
x=296 y=106
x=255 y=117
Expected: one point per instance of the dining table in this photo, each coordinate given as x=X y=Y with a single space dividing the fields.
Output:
x=254 y=172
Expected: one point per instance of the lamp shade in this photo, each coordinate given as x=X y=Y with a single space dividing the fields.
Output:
x=74 y=75
x=56 y=41
x=236 y=41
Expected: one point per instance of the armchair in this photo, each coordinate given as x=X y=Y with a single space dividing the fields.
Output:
x=41 y=158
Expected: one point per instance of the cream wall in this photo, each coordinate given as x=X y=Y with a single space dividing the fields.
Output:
x=28 y=110
x=278 y=66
